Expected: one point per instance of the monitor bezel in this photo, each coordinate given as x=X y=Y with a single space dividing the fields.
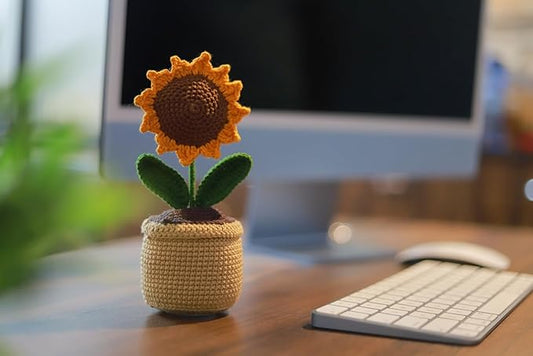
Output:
x=298 y=121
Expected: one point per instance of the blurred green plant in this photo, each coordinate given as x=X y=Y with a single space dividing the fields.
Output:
x=45 y=205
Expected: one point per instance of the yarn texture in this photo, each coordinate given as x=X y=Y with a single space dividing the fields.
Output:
x=191 y=268
x=191 y=259
x=192 y=108
x=163 y=181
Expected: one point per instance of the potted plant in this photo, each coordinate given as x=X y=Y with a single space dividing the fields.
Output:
x=191 y=259
x=46 y=205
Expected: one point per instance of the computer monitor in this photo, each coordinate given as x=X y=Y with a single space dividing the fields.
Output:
x=338 y=89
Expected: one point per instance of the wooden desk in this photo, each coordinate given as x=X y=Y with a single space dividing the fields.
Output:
x=88 y=302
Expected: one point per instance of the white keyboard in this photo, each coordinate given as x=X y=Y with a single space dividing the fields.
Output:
x=431 y=301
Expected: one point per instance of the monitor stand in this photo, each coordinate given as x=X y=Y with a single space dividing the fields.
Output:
x=291 y=219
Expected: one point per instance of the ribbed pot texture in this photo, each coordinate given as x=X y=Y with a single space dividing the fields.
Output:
x=191 y=268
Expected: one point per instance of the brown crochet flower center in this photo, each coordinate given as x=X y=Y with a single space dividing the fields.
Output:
x=191 y=110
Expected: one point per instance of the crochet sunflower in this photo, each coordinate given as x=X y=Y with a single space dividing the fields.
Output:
x=192 y=109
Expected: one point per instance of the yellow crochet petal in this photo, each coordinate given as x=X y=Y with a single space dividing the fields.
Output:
x=220 y=74
x=211 y=149
x=187 y=154
x=164 y=143
x=202 y=64
x=149 y=123
x=232 y=90
x=145 y=99
x=151 y=74
x=161 y=79
x=176 y=62
x=229 y=134
x=236 y=112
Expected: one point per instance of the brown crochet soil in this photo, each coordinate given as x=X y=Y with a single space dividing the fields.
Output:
x=192 y=216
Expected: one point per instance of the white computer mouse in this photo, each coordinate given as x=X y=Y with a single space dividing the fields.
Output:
x=462 y=252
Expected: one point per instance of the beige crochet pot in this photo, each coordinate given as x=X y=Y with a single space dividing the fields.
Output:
x=191 y=267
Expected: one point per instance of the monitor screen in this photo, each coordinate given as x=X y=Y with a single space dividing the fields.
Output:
x=413 y=57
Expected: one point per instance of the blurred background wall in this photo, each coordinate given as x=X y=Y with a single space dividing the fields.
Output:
x=496 y=195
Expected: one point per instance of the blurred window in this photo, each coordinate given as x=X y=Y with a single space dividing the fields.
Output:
x=10 y=11
x=72 y=35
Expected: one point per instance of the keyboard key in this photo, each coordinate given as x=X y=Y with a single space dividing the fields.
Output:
x=354 y=300
x=452 y=316
x=411 y=322
x=446 y=302
x=450 y=297
x=363 y=295
x=374 y=305
x=391 y=297
x=404 y=289
x=458 y=293
x=418 y=298
x=354 y=315
x=399 y=293
x=341 y=303
x=402 y=307
x=374 y=290
x=476 y=299
x=472 y=327
x=464 y=306
x=525 y=278
x=463 y=332
x=382 y=301
x=499 y=303
x=459 y=311
x=440 y=325
x=429 y=310
x=422 y=315
x=470 y=302
x=477 y=321
x=517 y=286
x=484 y=294
x=383 y=318
x=484 y=316
x=394 y=311
x=411 y=303
x=364 y=310
x=331 y=309
x=437 y=305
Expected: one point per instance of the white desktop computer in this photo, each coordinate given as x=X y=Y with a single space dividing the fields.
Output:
x=338 y=90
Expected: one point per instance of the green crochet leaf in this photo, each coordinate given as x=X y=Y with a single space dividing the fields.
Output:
x=222 y=179
x=163 y=181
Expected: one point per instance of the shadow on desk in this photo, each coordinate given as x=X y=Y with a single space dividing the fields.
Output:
x=162 y=319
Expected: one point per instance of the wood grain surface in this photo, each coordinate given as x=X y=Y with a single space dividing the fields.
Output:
x=88 y=302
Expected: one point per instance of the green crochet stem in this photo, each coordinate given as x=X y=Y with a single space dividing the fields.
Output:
x=192 y=183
